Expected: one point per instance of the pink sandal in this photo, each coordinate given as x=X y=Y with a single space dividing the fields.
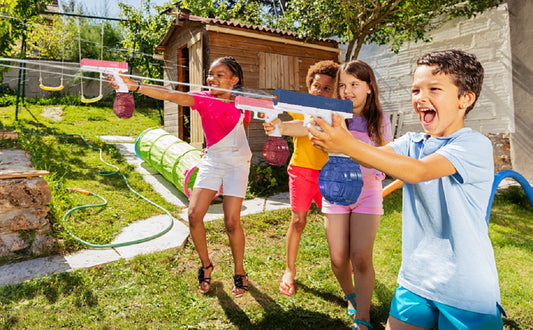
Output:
x=287 y=289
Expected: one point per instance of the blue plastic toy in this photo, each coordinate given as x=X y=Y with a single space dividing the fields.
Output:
x=340 y=180
x=508 y=174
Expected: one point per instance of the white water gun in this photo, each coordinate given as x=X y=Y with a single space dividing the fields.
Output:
x=107 y=67
x=123 y=105
x=262 y=109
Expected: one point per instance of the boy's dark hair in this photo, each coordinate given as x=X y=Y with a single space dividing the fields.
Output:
x=464 y=69
x=234 y=67
x=327 y=67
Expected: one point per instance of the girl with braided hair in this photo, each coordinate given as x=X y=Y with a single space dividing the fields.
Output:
x=225 y=162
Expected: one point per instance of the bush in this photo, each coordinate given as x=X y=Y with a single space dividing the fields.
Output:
x=7 y=100
x=266 y=180
x=6 y=90
x=56 y=98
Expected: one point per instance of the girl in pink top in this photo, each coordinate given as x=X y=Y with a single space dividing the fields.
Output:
x=226 y=161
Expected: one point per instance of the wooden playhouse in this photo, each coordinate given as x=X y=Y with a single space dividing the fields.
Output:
x=270 y=59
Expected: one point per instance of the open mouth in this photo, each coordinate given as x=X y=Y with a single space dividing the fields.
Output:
x=427 y=115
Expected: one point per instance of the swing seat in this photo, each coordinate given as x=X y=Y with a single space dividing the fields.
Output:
x=94 y=99
x=51 y=89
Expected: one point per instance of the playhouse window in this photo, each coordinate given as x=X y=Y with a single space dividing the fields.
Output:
x=278 y=71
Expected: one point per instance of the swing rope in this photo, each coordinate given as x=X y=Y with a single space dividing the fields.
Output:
x=97 y=98
x=104 y=201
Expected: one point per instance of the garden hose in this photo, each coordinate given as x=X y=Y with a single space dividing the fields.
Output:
x=104 y=201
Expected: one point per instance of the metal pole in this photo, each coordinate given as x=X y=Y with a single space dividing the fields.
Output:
x=21 y=67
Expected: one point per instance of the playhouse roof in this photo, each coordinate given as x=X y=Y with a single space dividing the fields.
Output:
x=184 y=16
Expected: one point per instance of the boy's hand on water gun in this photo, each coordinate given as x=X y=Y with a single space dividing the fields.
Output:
x=332 y=138
x=270 y=127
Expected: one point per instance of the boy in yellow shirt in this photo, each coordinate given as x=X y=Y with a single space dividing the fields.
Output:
x=304 y=167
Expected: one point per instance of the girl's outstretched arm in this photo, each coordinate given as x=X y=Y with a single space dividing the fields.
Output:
x=154 y=91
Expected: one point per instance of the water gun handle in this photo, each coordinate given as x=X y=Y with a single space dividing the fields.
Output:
x=276 y=131
x=269 y=118
x=122 y=87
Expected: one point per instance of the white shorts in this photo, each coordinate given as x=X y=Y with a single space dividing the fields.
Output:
x=233 y=179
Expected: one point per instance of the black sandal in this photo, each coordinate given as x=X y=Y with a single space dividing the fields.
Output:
x=203 y=279
x=238 y=284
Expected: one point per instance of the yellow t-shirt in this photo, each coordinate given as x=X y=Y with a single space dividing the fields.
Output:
x=305 y=154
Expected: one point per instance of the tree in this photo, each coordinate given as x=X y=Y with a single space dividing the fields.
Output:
x=88 y=32
x=251 y=12
x=16 y=16
x=58 y=36
x=53 y=39
x=390 y=22
x=143 y=31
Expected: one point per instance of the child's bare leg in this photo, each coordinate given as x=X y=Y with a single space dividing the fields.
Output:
x=395 y=324
x=294 y=234
x=363 y=230
x=232 y=220
x=198 y=205
x=337 y=233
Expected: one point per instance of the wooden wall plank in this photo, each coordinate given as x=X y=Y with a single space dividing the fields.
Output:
x=196 y=77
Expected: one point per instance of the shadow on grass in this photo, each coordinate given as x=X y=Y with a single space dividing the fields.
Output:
x=51 y=288
x=378 y=313
x=274 y=316
x=327 y=296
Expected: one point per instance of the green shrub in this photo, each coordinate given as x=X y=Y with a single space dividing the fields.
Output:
x=6 y=90
x=7 y=100
x=266 y=180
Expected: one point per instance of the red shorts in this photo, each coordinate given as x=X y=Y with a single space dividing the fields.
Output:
x=303 y=188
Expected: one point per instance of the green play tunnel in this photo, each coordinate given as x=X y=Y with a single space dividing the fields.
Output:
x=173 y=158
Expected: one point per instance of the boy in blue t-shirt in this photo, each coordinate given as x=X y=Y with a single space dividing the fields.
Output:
x=448 y=277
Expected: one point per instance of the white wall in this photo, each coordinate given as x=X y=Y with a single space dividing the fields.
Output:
x=487 y=36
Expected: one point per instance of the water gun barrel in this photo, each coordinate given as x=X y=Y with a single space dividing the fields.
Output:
x=311 y=105
x=107 y=67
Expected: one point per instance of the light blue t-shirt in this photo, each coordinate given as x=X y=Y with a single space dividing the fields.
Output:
x=447 y=255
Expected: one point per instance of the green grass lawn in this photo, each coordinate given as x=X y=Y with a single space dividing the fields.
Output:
x=69 y=150
x=160 y=290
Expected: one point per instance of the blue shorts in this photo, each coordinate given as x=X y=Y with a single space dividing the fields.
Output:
x=413 y=309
